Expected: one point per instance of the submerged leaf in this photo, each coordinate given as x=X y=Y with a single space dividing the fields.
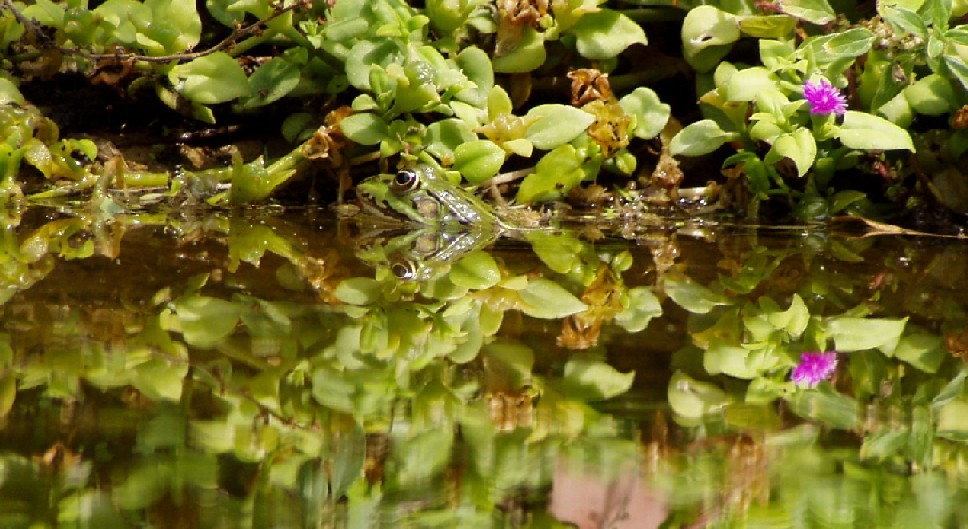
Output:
x=598 y=378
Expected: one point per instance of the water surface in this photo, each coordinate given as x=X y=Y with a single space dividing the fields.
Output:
x=270 y=368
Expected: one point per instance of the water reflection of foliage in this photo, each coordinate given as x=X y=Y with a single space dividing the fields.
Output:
x=271 y=403
x=898 y=395
x=216 y=383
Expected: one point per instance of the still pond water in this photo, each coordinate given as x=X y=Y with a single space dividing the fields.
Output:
x=282 y=369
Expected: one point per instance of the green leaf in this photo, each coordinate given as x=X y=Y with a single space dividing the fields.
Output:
x=359 y=291
x=476 y=65
x=556 y=125
x=364 y=128
x=856 y=334
x=864 y=131
x=798 y=146
x=768 y=26
x=749 y=84
x=794 y=320
x=555 y=174
x=175 y=25
x=851 y=43
x=923 y=351
x=827 y=405
x=953 y=420
x=958 y=69
x=814 y=11
x=366 y=55
x=8 y=391
x=478 y=160
x=708 y=29
x=9 y=92
x=446 y=135
x=651 y=114
x=160 y=378
x=699 y=138
x=605 y=34
x=477 y=270
x=211 y=79
x=936 y=13
x=528 y=55
x=931 y=95
x=904 y=20
x=596 y=378
x=643 y=306
x=543 y=298
x=692 y=296
x=253 y=181
x=206 y=321
x=692 y=399
x=271 y=81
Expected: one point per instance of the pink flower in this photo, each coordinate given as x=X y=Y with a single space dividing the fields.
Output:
x=814 y=367
x=824 y=98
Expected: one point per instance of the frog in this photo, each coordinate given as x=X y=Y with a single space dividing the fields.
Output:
x=441 y=221
x=424 y=196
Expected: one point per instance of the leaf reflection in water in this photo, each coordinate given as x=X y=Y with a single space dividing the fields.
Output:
x=246 y=366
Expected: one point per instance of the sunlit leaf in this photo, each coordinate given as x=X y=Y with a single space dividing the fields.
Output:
x=478 y=160
x=861 y=130
x=651 y=114
x=699 y=138
x=555 y=174
x=707 y=34
x=528 y=55
x=556 y=125
x=799 y=146
x=211 y=79
x=364 y=128
x=856 y=334
x=543 y=298
x=606 y=33
x=815 y=11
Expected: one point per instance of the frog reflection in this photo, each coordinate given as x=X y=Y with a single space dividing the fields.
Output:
x=422 y=254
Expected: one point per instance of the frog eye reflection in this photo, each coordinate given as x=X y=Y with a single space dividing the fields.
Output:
x=405 y=180
x=405 y=270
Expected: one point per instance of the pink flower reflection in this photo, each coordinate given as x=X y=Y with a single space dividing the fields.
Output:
x=814 y=367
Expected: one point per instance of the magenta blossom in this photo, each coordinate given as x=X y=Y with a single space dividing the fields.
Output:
x=814 y=367
x=824 y=98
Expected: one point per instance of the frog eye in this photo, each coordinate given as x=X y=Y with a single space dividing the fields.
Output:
x=403 y=269
x=406 y=180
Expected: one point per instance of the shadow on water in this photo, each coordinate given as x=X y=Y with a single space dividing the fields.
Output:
x=263 y=368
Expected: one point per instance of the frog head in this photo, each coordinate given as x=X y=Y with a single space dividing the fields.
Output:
x=424 y=196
